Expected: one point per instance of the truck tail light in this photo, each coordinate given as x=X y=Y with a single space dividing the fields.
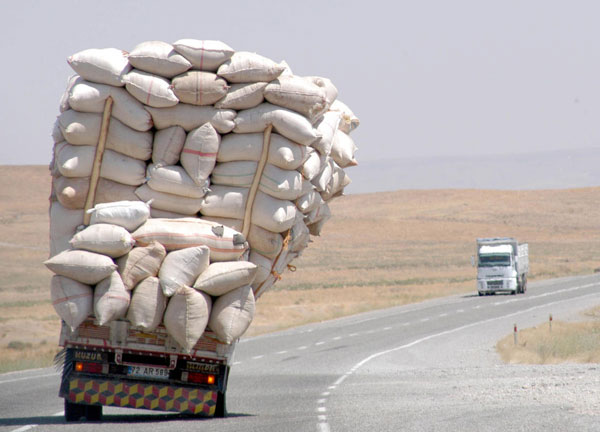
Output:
x=200 y=378
x=89 y=367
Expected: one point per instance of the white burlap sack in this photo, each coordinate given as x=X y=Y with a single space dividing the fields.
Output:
x=222 y=277
x=299 y=235
x=82 y=266
x=343 y=149
x=173 y=179
x=63 y=225
x=72 y=300
x=331 y=92
x=270 y=213
x=149 y=89
x=225 y=201
x=199 y=153
x=205 y=55
x=105 y=65
x=192 y=116
x=182 y=267
x=147 y=306
x=77 y=161
x=128 y=214
x=349 y=121
x=232 y=314
x=167 y=145
x=240 y=174
x=186 y=316
x=72 y=192
x=64 y=100
x=102 y=238
x=199 y=87
x=309 y=201
x=283 y=153
x=225 y=244
x=321 y=180
x=335 y=187
x=84 y=129
x=317 y=218
x=245 y=67
x=159 y=58
x=111 y=300
x=312 y=165
x=265 y=242
x=57 y=135
x=286 y=122
x=276 y=182
x=263 y=268
x=327 y=126
x=89 y=97
x=243 y=96
x=141 y=263
x=157 y=213
x=169 y=202
x=297 y=94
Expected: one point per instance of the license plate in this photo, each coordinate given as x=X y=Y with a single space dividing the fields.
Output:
x=148 y=372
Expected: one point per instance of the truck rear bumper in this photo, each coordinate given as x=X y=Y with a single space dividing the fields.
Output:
x=145 y=395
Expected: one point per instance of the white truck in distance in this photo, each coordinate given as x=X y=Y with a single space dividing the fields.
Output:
x=502 y=265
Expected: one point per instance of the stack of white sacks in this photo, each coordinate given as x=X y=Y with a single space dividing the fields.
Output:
x=200 y=205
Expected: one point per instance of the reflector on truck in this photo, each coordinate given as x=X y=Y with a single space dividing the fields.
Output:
x=142 y=395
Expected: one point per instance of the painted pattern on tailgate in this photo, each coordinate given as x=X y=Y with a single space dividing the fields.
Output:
x=148 y=396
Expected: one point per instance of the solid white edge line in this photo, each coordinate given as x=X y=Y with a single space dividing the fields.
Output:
x=324 y=425
x=28 y=378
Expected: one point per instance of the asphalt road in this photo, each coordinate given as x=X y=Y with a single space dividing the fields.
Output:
x=425 y=367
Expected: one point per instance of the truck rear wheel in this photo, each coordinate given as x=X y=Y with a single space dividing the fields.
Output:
x=79 y=412
x=221 y=409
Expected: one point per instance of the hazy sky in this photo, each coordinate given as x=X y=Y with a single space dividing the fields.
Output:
x=425 y=77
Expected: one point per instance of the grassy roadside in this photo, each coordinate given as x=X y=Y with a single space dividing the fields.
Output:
x=561 y=342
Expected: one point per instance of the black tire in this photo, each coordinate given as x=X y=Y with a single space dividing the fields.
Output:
x=79 y=412
x=74 y=412
x=480 y=293
x=93 y=412
x=221 y=409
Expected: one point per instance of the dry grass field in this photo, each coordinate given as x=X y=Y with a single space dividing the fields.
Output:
x=574 y=342
x=378 y=250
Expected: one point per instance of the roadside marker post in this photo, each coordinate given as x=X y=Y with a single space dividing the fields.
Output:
x=515 y=333
x=550 y=321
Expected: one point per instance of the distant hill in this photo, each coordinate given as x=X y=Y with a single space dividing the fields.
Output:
x=528 y=171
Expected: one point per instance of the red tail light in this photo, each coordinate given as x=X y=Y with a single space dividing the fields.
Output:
x=89 y=367
x=201 y=378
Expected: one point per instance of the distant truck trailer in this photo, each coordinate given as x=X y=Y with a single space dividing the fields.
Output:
x=502 y=265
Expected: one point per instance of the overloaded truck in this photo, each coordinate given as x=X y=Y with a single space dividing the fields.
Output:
x=502 y=265
x=186 y=178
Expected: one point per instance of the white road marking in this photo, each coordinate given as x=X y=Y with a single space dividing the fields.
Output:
x=323 y=425
x=442 y=315
x=282 y=352
x=258 y=357
x=302 y=347
x=320 y=343
x=28 y=378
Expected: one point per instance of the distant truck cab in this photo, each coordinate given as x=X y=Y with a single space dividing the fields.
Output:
x=502 y=265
